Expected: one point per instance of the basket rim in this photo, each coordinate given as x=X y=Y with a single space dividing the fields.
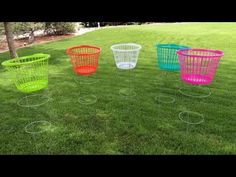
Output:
x=12 y=63
x=171 y=45
x=124 y=50
x=219 y=53
x=69 y=50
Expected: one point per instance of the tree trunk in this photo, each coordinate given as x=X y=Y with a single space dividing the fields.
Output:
x=10 y=39
x=31 y=37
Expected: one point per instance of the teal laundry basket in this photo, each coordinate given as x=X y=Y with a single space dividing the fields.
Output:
x=167 y=57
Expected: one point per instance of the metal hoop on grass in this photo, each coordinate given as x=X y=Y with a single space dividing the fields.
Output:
x=158 y=83
x=166 y=75
x=57 y=75
x=165 y=99
x=103 y=115
x=127 y=92
x=24 y=102
x=88 y=99
x=195 y=96
x=200 y=117
x=86 y=79
x=41 y=126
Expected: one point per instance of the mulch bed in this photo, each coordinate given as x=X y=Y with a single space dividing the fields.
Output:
x=19 y=43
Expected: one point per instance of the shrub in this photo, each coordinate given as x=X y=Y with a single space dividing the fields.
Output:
x=21 y=28
x=95 y=24
x=59 y=28
x=1 y=29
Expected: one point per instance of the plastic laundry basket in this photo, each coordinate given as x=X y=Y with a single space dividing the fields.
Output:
x=126 y=55
x=198 y=66
x=30 y=73
x=167 y=57
x=84 y=59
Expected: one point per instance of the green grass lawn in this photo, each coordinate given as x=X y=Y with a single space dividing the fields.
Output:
x=116 y=124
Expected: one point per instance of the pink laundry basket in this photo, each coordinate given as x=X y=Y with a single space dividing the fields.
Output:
x=198 y=66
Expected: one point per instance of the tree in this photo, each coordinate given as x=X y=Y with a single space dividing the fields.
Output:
x=10 y=39
x=59 y=28
x=1 y=29
x=29 y=28
x=98 y=24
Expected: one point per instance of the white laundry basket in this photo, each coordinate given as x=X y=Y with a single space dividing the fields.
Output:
x=126 y=55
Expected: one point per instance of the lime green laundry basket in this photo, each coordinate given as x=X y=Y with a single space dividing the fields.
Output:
x=29 y=73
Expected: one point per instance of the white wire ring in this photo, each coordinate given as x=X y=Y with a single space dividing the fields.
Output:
x=165 y=75
x=35 y=105
x=195 y=96
x=191 y=112
x=133 y=93
x=158 y=98
x=82 y=100
x=37 y=122
x=81 y=81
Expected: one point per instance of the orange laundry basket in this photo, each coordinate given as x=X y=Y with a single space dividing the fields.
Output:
x=84 y=58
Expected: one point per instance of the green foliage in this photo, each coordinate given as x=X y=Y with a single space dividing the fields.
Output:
x=1 y=28
x=95 y=24
x=20 y=28
x=59 y=28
